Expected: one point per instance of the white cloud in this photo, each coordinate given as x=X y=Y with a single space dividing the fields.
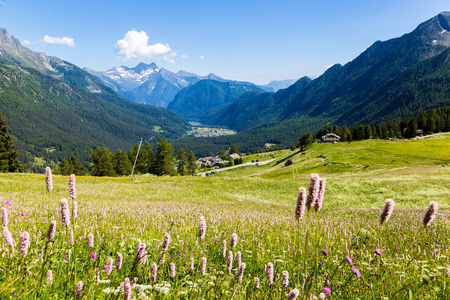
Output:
x=202 y=57
x=25 y=42
x=183 y=56
x=135 y=45
x=61 y=41
x=170 y=57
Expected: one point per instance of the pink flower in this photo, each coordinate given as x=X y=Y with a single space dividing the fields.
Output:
x=377 y=251
x=8 y=202
x=22 y=214
x=356 y=271
x=349 y=260
x=327 y=290
x=324 y=252
x=94 y=256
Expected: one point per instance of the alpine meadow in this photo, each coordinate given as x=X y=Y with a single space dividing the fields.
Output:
x=150 y=181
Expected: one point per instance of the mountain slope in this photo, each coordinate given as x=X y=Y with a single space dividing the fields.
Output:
x=74 y=112
x=199 y=99
x=353 y=86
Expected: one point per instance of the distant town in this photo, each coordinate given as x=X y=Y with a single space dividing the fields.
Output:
x=199 y=130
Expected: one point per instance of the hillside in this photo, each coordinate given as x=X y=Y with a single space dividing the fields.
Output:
x=68 y=110
x=393 y=79
x=200 y=101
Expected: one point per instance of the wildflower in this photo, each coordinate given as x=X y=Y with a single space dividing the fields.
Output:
x=301 y=202
x=72 y=190
x=127 y=289
x=74 y=209
x=285 y=280
x=356 y=271
x=166 y=242
x=65 y=214
x=387 y=211
x=67 y=256
x=51 y=230
x=97 y=275
x=377 y=251
x=78 y=289
x=7 y=237
x=49 y=181
x=256 y=283
x=8 y=202
x=238 y=259
x=430 y=214
x=119 y=261
x=154 y=272
x=314 y=188
x=203 y=266
x=233 y=240
x=229 y=262
x=49 y=277
x=327 y=290
x=191 y=264
x=317 y=204
x=142 y=254
x=349 y=260
x=90 y=240
x=202 y=228
x=325 y=252
x=293 y=294
x=224 y=248
x=321 y=296
x=4 y=214
x=94 y=256
x=241 y=273
x=22 y=214
x=138 y=245
x=172 y=270
x=109 y=266
x=71 y=239
x=270 y=272
x=24 y=243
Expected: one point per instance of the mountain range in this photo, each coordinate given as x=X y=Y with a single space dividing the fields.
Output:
x=157 y=86
x=396 y=78
x=56 y=109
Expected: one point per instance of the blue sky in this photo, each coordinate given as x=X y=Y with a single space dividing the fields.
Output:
x=256 y=41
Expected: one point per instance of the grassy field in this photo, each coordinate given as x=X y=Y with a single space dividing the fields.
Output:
x=257 y=203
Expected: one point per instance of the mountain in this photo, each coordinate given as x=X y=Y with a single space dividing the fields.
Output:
x=52 y=104
x=200 y=101
x=153 y=85
x=148 y=83
x=361 y=90
x=276 y=85
x=396 y=78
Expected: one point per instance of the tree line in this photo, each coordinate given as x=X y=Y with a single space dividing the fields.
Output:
x=165 y=162
x=430 y=121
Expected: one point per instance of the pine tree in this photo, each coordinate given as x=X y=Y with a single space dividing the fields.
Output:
x=164 y=159
x=77 y=167
x=182 y=162
x=8 y=154
x=122 y=165
x=192 y=164
x=102 y=159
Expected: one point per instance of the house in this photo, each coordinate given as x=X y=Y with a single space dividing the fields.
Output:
x=331 y=138
x=235 y=156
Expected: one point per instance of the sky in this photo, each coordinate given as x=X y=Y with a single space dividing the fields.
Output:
x=256 y=41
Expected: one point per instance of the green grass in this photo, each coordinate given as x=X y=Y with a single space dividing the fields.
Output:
x=260 y=209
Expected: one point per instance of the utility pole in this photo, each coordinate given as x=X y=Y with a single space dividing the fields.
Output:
x=135 y=160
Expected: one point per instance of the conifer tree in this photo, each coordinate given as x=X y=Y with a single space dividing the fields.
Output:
x=182 y=162
x=8 y=154
x=102 y=159
x=192 y=164
x=164 y=159
x=122 y=164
